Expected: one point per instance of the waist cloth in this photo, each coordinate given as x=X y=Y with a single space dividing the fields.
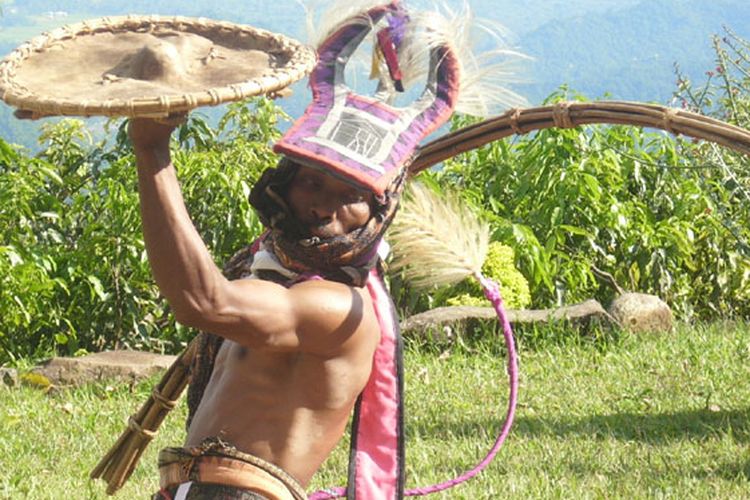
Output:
x=215 y=467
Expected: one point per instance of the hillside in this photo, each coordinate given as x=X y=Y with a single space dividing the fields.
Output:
x=525 y=17
x=622 y=48
x=630 y=53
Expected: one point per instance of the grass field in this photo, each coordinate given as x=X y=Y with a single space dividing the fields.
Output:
x=623 y=416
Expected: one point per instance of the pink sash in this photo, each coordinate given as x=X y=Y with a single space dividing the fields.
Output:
x=376 y=458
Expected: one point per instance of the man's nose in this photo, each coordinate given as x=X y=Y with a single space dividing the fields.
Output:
x=322 y=209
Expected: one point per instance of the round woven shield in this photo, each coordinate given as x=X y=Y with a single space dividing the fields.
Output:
x=148 y=66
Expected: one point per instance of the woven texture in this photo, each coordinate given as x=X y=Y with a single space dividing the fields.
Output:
x=573 y=114
x=148 y=66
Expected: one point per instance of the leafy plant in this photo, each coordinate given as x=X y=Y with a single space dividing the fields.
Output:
x=499 y=266
x=73 y=269
x=618 y=198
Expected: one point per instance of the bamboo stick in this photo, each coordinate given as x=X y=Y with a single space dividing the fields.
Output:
x=523 y=121
x=120 y=460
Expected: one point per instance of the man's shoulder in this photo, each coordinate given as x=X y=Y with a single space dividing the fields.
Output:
x=330 y=286
x=330 y=296
x=335 y=312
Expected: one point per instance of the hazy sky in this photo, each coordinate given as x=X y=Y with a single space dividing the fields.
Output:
x=555 y=62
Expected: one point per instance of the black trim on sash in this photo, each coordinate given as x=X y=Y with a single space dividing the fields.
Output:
x=352 y=472
x=401 y=445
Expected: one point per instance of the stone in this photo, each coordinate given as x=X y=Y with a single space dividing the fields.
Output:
x=640 y=312
x=125 y=366
x=8 y=377
x=581 y=314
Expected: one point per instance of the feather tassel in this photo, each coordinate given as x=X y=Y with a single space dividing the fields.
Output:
x=488 y=64
x=334 y=15
x=437 y=241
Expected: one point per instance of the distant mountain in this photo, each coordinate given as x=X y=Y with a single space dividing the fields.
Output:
x=529 y=15
x=623 y=48
x=287 y=16
x=630 y=53
x=17 y=131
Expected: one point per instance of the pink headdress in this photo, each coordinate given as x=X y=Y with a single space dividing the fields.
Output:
x=363 y=139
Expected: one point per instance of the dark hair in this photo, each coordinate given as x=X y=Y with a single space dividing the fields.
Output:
x=268 y=195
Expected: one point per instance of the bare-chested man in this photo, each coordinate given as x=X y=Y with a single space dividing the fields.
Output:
x=295 y=359
x=316 y=335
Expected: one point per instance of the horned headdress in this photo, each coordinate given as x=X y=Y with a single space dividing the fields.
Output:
x=369 y=140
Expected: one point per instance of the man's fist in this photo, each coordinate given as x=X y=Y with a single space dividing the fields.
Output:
x=150 y=133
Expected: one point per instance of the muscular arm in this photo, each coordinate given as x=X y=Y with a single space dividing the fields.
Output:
x=315 y=316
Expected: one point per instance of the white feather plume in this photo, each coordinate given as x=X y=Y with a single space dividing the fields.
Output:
x=325 y=17
x=437 y=240
x=323 y=22
x=488 y=63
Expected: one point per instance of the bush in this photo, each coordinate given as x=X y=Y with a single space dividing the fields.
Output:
x=499 y=266
x=617 y=198
x=73 y=268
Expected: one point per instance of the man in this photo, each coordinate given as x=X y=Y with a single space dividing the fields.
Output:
x=295 y=359
x=316 y=335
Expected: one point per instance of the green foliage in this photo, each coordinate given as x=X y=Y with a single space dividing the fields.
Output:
x=662 y=216
x=618 y=198
x=73 y=268
x=499 y=266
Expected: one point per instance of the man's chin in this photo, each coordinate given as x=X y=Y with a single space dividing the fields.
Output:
x=323 y=232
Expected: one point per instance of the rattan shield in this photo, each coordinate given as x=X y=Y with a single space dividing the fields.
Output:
x=149 y=66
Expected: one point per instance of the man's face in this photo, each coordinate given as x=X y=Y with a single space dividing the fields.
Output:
x=325 y=205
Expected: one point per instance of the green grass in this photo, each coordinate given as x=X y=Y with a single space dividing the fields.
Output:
x=625 y=416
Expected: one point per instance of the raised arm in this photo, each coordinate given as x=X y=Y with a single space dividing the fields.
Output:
x=315 y=316
x=181 y=264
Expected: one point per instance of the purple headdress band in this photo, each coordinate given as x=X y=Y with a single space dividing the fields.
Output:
x=363 y=139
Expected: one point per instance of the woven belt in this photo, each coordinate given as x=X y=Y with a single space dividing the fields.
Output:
x=228 y=471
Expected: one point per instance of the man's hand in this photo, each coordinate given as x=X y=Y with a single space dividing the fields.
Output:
x=150 y=134
x=150 y=139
